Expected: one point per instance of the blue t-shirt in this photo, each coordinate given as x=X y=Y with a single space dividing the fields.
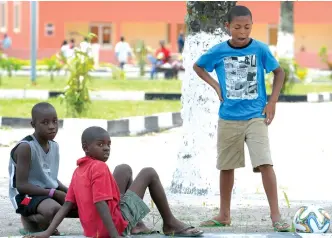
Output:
x=241 y=76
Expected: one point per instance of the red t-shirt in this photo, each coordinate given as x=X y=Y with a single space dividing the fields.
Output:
x=166 y=53
x=93 y=182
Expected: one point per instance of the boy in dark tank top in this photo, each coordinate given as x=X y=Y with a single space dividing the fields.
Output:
x=34 y=188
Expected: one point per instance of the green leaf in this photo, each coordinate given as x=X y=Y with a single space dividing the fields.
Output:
x=287 y=200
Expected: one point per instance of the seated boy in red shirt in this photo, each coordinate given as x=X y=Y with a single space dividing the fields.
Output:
x=95 y=192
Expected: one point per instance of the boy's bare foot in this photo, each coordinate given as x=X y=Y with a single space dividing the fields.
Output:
x=178 y=228
x=141 y=229
x=217 y=221
x=29 y=225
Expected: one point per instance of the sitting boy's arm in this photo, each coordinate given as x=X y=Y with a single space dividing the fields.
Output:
x=58 y=218
x=62 y=187
x=105 y=215
x=23 y=157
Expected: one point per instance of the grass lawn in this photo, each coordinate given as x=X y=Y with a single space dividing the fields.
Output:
x=172 y=86
x=167 y=86
x=99 y=109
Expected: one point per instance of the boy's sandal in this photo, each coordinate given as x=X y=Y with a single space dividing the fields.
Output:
x=281 y=226
x=213 y=223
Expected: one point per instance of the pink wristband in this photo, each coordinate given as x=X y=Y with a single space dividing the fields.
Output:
x=51 y=193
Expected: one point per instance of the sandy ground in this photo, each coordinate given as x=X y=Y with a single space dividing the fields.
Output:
x=301 y=150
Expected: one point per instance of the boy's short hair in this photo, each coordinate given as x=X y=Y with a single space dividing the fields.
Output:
x=39 y=107
x=92 y=133
x=238 y=11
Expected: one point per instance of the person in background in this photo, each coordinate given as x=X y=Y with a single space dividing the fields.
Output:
x=5 y=43
x=181 y=42
x=72 y=43
x=163 y=53
x=85 y=47
x=122 y=52
x=65 y=49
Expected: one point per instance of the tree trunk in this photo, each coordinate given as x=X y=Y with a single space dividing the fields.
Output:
x=285 y=45
x=197 y=155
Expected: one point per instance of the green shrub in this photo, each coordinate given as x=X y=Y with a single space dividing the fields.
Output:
x=54 y=64
x=291 y=69
x=323 y=54
x=76 y=94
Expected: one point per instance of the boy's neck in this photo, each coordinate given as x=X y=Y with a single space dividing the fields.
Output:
x=41 y=141
x=245 y=44
x=94 y=158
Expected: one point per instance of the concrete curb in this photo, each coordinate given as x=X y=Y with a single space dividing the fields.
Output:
x=141 y=96
x=122 y=127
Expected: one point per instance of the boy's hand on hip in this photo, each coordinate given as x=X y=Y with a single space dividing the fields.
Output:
x=269 y=111
x=218 y=91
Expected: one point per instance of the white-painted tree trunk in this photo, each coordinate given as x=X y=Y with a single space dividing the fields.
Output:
x=196 y=171
x=285 y=45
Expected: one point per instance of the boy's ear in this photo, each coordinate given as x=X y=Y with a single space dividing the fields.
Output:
x=32 y=124
x=227 y=25
x=85 y=147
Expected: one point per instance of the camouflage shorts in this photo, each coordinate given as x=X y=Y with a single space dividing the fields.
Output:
x=133 y=210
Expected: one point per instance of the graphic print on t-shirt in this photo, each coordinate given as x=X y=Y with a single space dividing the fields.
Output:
x=241 y=77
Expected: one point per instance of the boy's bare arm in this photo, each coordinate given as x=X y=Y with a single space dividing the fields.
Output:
x=105 y=215
x=62 y=187
x=270 y=108
x=58 y=218
x=278 y=81
x=208 y=79
x=23 y=158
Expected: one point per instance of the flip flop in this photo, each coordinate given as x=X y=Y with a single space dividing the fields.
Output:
x=215 y=224
x=279 y=226
x=24 y=232
x=182 y=233
x=145 y=233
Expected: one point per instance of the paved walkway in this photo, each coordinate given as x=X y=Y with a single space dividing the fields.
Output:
x=233 y=235
x=301 y=149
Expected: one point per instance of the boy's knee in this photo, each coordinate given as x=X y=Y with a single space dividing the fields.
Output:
x=150 y=172
x=263 y=168
x=125 y=168
x=51 y=212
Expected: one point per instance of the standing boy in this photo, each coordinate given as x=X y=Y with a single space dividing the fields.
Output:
x=244 y=113
x=34 y=188
x=94 y=190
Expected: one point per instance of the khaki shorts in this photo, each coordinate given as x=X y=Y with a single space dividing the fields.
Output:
x=230 y=145
x=133 y=210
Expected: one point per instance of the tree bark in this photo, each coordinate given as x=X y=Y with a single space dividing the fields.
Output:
x=196 y=172
x=285 y=45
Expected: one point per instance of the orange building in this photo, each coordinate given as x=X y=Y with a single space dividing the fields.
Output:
x=151 y=22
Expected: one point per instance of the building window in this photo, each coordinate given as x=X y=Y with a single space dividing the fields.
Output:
x=3 y=16
x=17 y=16
x=103 y=33
x=272 y=35
x=49 y=29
